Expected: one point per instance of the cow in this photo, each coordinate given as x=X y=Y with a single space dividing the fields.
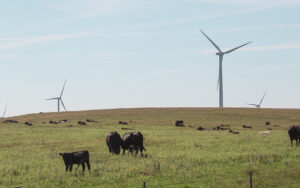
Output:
x=90 y=120
x=133 y=140
x=294 y=133
x=247 y=127
x=179 y=123
x=123 y=122
x=114 y=142
x=78 y=157
x=81 y=123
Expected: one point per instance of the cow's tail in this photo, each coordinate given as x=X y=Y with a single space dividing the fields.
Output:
x=143 y=148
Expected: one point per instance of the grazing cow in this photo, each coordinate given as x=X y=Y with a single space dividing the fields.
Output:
x=220 y=127
x=200 y=128
x=114 y=142
x=247 y=127
x=179 y=123
x=78 y=157
x=233 y=132
x=294 y=133
x=268 y=123
x=123 y=122
x=62 y=121
x=90 y=120
x=10 y=121
x=133 y=140
x=28 y=123
x=52 y=122
x=81 y=123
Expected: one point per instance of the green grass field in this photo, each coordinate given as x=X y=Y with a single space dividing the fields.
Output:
x=175 y=157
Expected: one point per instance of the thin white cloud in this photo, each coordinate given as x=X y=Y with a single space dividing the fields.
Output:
x=88 y=8
x=199 y=18
x=268 y=3
x=285 y=46
x=247 y=28
x=24 y=41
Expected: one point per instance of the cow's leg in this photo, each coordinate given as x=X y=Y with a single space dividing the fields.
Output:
x=109 y=149
x=136 y=150
x=88 y=165
x=70 y=167
x=83 y=167
x=67 y=166
x=141 y=150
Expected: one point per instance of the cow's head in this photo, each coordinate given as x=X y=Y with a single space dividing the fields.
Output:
x=60 y=154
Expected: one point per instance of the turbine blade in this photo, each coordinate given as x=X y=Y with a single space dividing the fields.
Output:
x=4 y=111
x=211 y=41
x=262 y=98
x=253 y=104
x=62 y=91
x=237 y=48
x=53 y=98
x=63 y=104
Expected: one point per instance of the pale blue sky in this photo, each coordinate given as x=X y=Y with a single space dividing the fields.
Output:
x=139 y=53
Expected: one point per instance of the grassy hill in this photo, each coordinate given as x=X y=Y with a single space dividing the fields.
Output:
x=179 y=156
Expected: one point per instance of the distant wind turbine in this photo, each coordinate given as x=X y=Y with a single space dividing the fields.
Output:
x=221 y=54
x=59 y=99
x=258 y=105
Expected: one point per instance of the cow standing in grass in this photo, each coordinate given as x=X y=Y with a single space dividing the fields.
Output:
x=78 y=157
x=294 y=133
x=114 y=142
x=133 y=140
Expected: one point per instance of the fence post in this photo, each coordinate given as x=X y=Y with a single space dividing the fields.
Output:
x=251 y=179
x=144 y=184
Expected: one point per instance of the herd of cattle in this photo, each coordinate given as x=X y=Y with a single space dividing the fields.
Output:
x=130 y=141
x=134 y=141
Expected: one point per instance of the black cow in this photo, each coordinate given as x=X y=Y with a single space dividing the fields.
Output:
x=294 y=133
x=133 y=140
x=78 y=157
x=114 y=142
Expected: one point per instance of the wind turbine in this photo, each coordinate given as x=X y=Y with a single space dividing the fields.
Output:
x=258 y=105
x=59 y=99
x=220 y=53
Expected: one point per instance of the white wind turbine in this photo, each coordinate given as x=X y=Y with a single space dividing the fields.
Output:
x=221 y=54
x=258 y=105
x=59 y=99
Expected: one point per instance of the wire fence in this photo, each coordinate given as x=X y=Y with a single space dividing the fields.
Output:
x=248 y=181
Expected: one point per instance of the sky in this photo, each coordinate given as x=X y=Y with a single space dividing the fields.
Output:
x=140 y=53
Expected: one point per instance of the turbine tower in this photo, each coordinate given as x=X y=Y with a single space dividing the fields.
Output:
x=59 y=99
x=220 y=53
x=258 y=105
